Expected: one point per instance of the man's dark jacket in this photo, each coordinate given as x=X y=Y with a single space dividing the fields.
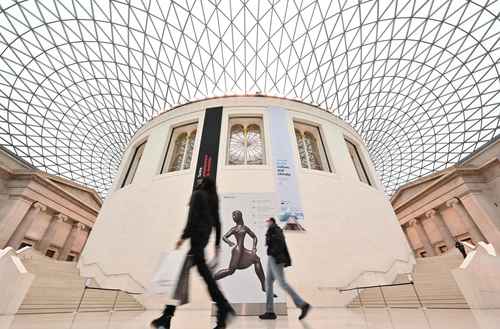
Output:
x=202 y=218
x=276 y=245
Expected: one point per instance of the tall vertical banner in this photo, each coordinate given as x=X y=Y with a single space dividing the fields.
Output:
x=208 y=155
x=291 y=213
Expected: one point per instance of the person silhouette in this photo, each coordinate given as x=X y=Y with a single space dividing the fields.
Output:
x=242 y=258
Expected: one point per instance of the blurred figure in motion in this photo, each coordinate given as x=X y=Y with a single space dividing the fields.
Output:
x=202 y=219
x=278 y=259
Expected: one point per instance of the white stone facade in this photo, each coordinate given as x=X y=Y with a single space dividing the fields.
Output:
x=49 y=213
x=460 y=203
x=352 y=237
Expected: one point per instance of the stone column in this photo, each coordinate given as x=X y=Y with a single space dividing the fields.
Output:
x=405 y=232
x=49 y=233
x=87 y=232
x=76 y=227
x=483 y=216
x=11 y=214
x=446 y=235
x=17 y=238
x=423 y=237
x=472 y=228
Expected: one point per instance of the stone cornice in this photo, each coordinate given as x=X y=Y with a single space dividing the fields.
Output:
x=453 y=173
x=40 y=178
x=67 y=182
x=417 y=182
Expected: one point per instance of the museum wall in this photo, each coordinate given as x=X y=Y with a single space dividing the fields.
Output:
x=350 y=226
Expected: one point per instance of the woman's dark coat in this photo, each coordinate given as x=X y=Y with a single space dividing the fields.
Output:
x=202 y=218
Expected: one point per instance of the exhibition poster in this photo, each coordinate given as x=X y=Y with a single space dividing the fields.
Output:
x=290 y=211
x=243 y=258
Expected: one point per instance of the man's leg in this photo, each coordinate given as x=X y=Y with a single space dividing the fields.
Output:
x=279 y=274
x=269 y=315
x=269 y=288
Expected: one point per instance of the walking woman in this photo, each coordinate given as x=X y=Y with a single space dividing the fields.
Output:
x=202 y=219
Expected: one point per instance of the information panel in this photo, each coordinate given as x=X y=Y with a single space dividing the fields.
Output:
x=291 y=213
x=243 y=261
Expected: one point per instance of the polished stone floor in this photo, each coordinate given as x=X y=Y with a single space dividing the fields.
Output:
x=320 y=318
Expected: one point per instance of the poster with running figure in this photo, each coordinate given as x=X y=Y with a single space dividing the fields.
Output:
x=243 y=260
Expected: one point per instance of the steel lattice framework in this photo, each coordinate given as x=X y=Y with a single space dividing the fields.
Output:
x=419 y=80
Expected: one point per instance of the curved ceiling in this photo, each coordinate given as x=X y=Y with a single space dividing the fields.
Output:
x=419 y=80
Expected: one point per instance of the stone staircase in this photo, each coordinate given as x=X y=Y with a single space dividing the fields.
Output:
x=58 y=288
x=433 y=282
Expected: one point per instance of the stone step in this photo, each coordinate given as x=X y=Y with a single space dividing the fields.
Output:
x=433 y=282
x=58 y=288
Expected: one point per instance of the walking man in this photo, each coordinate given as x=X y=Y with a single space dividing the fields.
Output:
x=278 y=259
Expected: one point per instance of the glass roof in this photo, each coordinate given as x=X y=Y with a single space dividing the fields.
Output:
x=419 y=80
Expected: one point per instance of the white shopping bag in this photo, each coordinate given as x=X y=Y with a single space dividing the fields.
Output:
x=167 y=274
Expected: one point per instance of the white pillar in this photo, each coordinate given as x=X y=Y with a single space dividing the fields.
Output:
x=423 y=237
x=405 y=232
x=483 y=217
x=471 y=227
x=11 y=214
x=49 y=233
x=446 y=235
x=17 y=238
x=76 y=227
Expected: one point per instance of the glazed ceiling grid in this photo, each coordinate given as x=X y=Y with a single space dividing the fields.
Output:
x=419 y=80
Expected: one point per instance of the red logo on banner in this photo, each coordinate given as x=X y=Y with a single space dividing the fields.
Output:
x=207 y=165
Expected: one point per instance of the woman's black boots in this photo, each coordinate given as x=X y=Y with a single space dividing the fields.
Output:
x=163 y=322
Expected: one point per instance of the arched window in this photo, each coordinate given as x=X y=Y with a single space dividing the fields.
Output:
x=134 y=164
x=237 y=145
x=255 y=149
x=302 y=149
x=180 y=150
x=310 y=148
x=189 y=150
x=312 y=151
x=357 y=162
x=246 y=146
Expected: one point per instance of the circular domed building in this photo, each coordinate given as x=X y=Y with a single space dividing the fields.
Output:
x=270 y=157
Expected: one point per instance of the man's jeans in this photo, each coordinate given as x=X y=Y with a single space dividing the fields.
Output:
x=275 y=272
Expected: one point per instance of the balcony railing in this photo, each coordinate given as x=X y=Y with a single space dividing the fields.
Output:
x=95 y=299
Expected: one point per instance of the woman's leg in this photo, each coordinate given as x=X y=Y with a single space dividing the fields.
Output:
x=164 y=319
x=223 y=307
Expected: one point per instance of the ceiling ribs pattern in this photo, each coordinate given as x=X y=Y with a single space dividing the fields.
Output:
x=419 y=80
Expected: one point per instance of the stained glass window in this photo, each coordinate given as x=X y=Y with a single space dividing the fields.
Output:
x=246 y=146
x=302 y=149
x=178 y=152
x=189 y=150
x=310 y=147
x=180 y=149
